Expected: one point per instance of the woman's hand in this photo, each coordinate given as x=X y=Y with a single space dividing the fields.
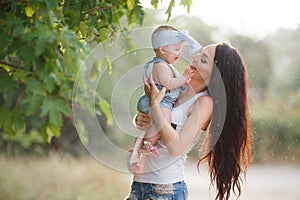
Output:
x=151 y=90
x=143 y=121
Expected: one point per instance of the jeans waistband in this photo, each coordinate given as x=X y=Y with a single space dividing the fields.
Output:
x=178 y=182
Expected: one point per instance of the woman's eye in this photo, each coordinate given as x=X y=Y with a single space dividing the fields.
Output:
x=203 y=60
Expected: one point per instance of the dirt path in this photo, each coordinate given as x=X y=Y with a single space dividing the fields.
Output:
x=264 y=182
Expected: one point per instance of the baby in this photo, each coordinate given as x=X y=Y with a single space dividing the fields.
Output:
x=167 y=42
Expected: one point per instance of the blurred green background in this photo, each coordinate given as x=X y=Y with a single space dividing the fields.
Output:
x=42 y=46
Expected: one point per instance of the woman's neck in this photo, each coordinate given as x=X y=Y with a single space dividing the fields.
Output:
x=196 y=86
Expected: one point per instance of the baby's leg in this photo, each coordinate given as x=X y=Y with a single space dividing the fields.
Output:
x=152 y=134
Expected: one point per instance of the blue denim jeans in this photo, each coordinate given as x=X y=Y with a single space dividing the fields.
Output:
x=143 y=104
x=170 y=98
x=149 y=191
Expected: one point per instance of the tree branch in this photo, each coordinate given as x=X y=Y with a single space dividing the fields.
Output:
x=12 y=65
x=99 y=8
x=19 y=98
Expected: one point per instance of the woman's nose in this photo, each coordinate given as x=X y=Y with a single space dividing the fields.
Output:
x=194 y=58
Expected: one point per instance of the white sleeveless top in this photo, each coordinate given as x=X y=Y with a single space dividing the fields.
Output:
x=167 y=169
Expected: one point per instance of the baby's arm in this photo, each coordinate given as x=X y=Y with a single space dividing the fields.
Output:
x=164 y=75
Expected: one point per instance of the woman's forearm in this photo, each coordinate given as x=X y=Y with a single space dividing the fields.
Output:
x=178 y=143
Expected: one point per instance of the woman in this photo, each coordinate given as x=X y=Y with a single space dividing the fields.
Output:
x=228 y=149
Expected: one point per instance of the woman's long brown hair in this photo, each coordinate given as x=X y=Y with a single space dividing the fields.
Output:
x=230 y=155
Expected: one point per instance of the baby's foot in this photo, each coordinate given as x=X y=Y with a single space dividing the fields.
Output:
x=150 y=148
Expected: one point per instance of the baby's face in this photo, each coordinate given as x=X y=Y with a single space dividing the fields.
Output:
x=172 y=52
x=174 y=48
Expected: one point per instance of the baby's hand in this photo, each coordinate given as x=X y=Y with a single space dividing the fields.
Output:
x=188 y=73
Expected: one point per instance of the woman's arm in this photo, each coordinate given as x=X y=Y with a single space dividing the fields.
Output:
x=197 y=120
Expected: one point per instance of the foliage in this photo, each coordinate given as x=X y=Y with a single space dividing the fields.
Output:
x=43 y=43
x=276 y=131
x=186 y=3
x=37 y=64
x=258 y=59
x=284 y=48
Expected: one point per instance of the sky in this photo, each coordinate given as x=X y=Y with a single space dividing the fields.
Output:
x=250 y=17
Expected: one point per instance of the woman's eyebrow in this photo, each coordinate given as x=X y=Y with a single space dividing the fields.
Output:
x=205 y=55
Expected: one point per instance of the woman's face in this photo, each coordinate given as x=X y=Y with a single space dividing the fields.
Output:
x=203 y=62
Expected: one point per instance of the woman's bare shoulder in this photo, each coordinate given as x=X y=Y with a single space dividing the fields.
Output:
x=207 y=100
x=203 y=103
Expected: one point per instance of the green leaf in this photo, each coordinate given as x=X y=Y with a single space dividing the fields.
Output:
x=19 y=75
x=105 y=108
x=29 y=11
x=51 y=4
x=49 y=108
x=130 y=4
x=6 y=82
x=49 y=130
x=6 y=121
x=108 y=64
x=140 y=15
x=187 y=3
x=54 y=107
x=26 y=52
x=34 y=86
x=49 y=82
x=104 y=34
x=32 y=103
x=5 y=116
x=154 y=3
x=82 y=133
x=83 y=29
x=18 y=30
x=18 y=121
x=129 y=45
x=96 y=69
x=69 y=61
x=40 y=46
x=45 y=38
x=169 y=10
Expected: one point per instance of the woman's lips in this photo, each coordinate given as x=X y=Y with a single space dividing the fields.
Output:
x=192 y=67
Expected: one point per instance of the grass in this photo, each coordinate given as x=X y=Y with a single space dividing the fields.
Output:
x=59 y=179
